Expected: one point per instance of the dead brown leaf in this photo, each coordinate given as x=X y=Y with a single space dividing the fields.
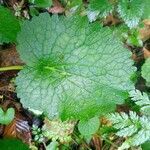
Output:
x=147 y=22
x=145 y=31
x=57 y=8
x=1 y=129
x=111 y=20
x=146 y=52
x=105 y=121
x=5 y=80
x=9 y=57
x=137 y=57
x=18 y=128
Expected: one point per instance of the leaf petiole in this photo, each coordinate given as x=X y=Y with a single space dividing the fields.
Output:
x=11 y=68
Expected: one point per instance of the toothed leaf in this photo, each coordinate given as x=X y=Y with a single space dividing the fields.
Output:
x=99 y=8
x=134 y=128
x=131 y=11
x=74 y=69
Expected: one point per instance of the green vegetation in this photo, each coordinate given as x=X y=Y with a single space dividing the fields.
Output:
x=78 y=74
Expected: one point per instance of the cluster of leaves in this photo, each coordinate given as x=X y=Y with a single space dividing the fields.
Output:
x=10 y=25
x=131 y=11
x=136 y=129
x=74 y=70
x=57 y=130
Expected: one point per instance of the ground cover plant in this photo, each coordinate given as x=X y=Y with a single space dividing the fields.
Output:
x=75 y=74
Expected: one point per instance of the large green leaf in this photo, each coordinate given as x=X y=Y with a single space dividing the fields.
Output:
x=74 y=69
x=9 y=26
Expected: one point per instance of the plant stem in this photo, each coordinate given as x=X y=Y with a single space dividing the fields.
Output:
x=82 y=141
x=108 y=141
x=11 y=68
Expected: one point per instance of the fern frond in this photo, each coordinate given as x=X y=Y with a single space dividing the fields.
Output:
x=135 y=128
x=142 y=100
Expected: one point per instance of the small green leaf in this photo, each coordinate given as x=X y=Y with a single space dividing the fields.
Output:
x=33 y=11
x=146 y=71
x=131 y=11
x=9 y=26
x=6 y=117
x=89 y=127
x=43 y=3
x=52 y=146
x=103 y=6
x=74 y=3
x=133 y=39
